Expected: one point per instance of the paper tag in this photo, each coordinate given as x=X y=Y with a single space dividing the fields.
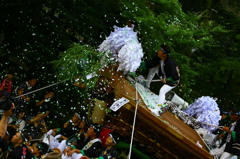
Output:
x=119 y=103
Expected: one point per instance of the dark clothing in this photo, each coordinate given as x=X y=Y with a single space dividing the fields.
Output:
x=26 y=89
x=81 y=144
x=92 y=149
x=169 y=68
x=81 y=137
x=20 y=152
x=229 y=144
x=109 y=153
x=33 y=131
x=44 y=107
x=3 y=144
x=219 y=131
x=69 y=131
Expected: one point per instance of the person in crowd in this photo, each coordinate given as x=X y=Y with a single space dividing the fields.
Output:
x=24 y=88
x=75 y=139
x=223 y=113
x=36 y=126
x=109 y=152
x=20 y=123
x=6 y=84
x=39 y=150
x=231 y=139
x=3 y=121
x=43 y=104
x=91 y=149
x=166 y=68
x=20 y=150
x=69 y=128
x=6 y=143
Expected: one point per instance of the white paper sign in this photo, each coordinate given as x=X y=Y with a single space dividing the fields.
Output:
x=119 y=103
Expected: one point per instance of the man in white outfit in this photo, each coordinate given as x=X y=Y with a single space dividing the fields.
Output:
x=91 y=149
x=166 y=68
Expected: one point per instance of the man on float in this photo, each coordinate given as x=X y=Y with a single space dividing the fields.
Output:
x=166 y=68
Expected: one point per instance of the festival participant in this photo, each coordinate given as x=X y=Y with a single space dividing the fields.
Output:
x=109 y=152
x=20 y=123
x=91 y=149
x=3 y=121
x=43 y=104
x=39 y=150
x=20 y=150
x=223 y=114
x=23 y=88
x=69 y=128
x=79 y=137
x=166 y=68
x=6 y=143
x=6 y=84
x=231 y=139
x=36 y=125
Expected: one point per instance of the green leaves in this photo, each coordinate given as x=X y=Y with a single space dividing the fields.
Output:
x=78 y=63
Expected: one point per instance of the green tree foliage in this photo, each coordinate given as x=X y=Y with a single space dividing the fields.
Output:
x=217 y=61
x=204 y=36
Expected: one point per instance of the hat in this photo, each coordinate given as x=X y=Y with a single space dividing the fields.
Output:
x=166 y=49
x=223 y=111
x=78 y=115
x=53 y=155
x=96 y=127
x=234 y=111
x=115 y=136
x=86 y=121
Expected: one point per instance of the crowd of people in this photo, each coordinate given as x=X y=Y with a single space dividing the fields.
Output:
x=26 y=135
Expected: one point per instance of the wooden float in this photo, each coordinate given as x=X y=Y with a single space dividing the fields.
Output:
x=167 y=135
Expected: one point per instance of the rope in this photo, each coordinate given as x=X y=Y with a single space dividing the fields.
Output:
x=134 y=120
x=158 y=80
x=206 y=145
x=219 y=127
x=39 y=89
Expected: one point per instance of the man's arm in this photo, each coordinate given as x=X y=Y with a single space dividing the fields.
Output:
x=20 y=93
x=3 y=122
x=153 y=62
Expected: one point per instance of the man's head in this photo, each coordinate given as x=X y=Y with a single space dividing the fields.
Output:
x=20 y=137
x=32 y=81
x=223 y=113
x=234 y=114
x=83 y=124
x=50 y=94
x=10 y=75
x=164 y=51
x=93 y=131
x=76 y=118
x=21 y=114
x=112 y=139
x=40 y=149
